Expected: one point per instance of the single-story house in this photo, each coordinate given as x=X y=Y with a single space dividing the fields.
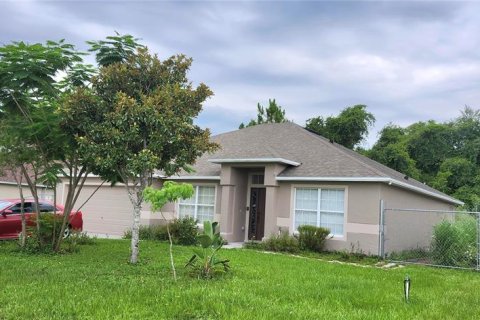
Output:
x=275 y=177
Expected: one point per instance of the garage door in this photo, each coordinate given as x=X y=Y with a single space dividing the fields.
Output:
x=108 y=212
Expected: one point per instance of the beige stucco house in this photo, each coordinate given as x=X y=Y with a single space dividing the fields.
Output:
x=9 y=188
x=274 y=177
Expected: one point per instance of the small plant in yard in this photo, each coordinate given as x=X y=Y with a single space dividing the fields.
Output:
x=282 y=242
x=49 y=232
x=76 y=239
x=205 y=263
x=152 y=232
x=184 y=231
x=312 y=238
x=46 y=234
x=256 y=245
x=170 y=192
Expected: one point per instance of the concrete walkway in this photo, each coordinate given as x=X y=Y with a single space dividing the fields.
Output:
x=234 y=245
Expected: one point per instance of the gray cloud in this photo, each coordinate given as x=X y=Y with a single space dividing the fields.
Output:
x=408 y=61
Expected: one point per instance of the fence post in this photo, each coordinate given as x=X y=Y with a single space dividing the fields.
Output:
x=381 y=230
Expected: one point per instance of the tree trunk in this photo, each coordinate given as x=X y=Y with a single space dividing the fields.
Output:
x=172 y=263
x=37 y=209
x=135 y=233
x=18 y=179
x=66 y=213
x=135 y=193
x=54 y=216
x=23 y=239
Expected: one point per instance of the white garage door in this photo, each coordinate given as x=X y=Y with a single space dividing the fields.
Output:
x=108 y=212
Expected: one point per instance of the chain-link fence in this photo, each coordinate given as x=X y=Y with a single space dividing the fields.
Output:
x=431 y=237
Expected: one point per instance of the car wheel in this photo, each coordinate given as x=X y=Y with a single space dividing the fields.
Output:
x=67 y=232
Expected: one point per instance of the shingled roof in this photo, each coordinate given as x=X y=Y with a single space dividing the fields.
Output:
x=314 y=157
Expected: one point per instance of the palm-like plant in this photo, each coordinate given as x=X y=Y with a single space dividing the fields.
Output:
x=205 y=261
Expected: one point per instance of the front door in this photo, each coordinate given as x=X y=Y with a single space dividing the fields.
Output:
x=256 y=222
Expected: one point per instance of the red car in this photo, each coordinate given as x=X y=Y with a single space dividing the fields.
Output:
x=11 y=219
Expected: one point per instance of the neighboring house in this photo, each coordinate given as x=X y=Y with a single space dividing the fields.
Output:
x=273 y=177
x=9 y=188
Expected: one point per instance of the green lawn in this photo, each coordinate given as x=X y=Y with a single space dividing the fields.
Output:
x=98 y=283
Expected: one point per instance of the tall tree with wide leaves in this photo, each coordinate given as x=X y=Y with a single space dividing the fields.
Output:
x=349 y=128
x=27 y=103
x=141 y=113
x=271 y=114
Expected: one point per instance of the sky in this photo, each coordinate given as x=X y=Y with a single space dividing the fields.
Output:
x=407 y=61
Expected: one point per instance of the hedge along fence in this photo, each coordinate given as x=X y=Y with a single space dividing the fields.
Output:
x=439 y=238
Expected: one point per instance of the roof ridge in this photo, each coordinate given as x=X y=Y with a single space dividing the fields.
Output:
x=345 y=151
x=256 y=127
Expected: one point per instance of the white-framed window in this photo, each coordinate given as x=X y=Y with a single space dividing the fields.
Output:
x=321 y=207
x=201 y=206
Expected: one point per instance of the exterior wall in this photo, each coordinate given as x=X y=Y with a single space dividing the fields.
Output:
x=361 y=214
x=11 y=191
x=410 y=230
x=233 y=219
x=403 y=230
x=272 y=207
x=109 y=212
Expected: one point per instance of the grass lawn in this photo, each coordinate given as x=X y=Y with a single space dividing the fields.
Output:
x=98 y=283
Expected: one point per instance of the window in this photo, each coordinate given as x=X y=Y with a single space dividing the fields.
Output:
x=4 y=204
x=321 y=208
x=200 y=206
x=27 y=208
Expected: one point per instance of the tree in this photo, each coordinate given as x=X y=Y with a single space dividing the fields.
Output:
x=31 y=135
x=140 y=122
x=115 y=49
x=444 y=155
x=349 y=128
x=170 y=192
x=272 y=114
x=429 y=144
x=391 y=150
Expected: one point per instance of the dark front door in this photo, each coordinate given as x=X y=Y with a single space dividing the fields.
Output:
x=256 y=224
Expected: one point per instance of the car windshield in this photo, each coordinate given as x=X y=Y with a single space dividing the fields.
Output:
x=4 y=204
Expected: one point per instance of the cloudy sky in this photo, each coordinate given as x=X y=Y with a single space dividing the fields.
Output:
x=408 y=61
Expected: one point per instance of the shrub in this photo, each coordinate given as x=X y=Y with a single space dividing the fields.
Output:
x=153 y=232
x=76 y=239
x=50 y=226
x=454 y=243
x=184 y=231
x=312 y=238
x=256 y=245
x=282 y=242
